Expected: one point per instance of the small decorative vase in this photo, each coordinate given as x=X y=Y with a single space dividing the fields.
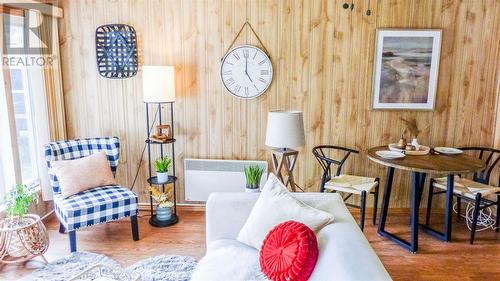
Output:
x=162 y=177
x=163 y=213
x=414 y=142
x=251 y=188
x=402 y=143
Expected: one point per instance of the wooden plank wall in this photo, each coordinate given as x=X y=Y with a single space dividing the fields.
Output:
x=322 y=56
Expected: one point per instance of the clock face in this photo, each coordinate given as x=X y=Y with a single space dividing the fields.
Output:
x=246 y=72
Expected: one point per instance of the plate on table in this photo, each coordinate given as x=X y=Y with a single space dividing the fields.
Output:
x=448 y=150
x=388 y=154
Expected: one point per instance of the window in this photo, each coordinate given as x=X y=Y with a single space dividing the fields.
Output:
x=23 y=119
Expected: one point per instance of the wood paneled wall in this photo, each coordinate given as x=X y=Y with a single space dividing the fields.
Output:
x=323 y=59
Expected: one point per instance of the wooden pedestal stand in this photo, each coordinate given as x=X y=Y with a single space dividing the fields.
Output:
x=284 y=161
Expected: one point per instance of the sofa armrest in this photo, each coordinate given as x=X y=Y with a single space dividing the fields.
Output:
x=226 y=213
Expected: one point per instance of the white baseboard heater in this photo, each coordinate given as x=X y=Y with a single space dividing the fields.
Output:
x=204 y=176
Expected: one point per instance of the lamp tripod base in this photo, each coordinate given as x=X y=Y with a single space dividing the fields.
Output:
x=284 y=161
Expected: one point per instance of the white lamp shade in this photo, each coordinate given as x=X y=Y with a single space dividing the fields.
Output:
x=158 y=83
x=285 y=129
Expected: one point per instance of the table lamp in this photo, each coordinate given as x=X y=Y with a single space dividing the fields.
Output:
x=285 y=130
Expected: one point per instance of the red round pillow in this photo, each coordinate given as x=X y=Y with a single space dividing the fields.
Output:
x=289 y=252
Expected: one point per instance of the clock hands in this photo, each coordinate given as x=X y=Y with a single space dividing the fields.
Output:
x=246 y=69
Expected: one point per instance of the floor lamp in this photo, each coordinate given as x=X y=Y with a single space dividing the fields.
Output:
x=285 y=130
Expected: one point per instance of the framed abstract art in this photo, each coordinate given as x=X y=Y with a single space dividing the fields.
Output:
x=406 y=68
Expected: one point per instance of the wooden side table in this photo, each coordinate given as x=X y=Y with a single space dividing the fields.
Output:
x=23 y=241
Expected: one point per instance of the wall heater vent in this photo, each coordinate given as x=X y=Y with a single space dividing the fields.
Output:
x=204 y=176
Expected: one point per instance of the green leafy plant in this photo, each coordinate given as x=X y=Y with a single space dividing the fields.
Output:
x=163 y=164
x=253 y=175
x=19 y=200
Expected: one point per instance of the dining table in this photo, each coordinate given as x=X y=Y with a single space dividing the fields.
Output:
x=420 y=166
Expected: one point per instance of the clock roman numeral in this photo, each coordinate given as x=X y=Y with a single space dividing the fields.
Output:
x=236 y=55
x=246 y=91
x=237 y=89
x=230 y=81
x=264 y=72
x=229 y=63
x=245 y=53
x=263 y=80
x=255 y=87
x=229 y=72
x=262 y=62
x=254 y=55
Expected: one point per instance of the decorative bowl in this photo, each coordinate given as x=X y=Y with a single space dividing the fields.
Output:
x=423 y=150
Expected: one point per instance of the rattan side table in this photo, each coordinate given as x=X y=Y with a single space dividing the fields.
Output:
x=22 y=240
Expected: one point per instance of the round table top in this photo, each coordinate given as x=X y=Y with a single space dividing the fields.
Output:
x=430 y=163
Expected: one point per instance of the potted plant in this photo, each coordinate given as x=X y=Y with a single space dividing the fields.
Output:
x=162 y=165
x=164 y=209
x=19 y=200
x=253 y=175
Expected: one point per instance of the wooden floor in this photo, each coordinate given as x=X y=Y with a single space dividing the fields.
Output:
x=435 y=260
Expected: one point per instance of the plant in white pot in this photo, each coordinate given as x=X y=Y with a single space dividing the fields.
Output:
x=164 y=209
x=253 y=175
x=161 y=166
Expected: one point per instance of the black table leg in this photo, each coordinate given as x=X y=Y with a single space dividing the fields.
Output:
x=416 y=192
x=421 y=188
x=446 y=235
x=385 y=199
x=415 y=202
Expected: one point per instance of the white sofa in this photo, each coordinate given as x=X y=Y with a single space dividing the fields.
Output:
x=344 y=253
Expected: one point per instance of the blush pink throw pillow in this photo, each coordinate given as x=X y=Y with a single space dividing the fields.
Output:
x=81 y=174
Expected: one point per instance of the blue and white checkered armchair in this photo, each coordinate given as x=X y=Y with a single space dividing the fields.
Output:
x=96 y=205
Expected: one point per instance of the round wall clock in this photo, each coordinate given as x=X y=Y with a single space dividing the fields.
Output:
x=246 y=72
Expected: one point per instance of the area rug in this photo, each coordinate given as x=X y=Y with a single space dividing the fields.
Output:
x=159 y=268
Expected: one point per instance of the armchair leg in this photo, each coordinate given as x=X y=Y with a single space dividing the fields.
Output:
x=429 y=202
x=135 y=228
x=497 y=223
x=62 y=229
x=477 y=206
x=375 y=202
x=72 y=240
x=362 y=210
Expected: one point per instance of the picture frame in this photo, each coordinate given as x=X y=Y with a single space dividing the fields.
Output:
x=406 y=68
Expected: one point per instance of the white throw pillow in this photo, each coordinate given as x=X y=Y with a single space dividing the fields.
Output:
x=276 y=205
x=78 y=175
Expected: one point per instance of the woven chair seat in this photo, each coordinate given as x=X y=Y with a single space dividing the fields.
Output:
x=351 y=184
x=467 y=187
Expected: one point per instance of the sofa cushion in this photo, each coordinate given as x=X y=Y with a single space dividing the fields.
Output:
x=229 y=259
x=289 y=252
x=274 y=206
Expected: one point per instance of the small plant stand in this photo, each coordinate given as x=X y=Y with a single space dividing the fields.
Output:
x=163 y=147
x=20 y=242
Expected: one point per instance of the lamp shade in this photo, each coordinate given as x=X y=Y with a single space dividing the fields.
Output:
x=285 y=129
x=158 y=83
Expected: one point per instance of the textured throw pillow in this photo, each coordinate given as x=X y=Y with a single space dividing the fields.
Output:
x=84 y=173
x=289 y=252
x=274 y=206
